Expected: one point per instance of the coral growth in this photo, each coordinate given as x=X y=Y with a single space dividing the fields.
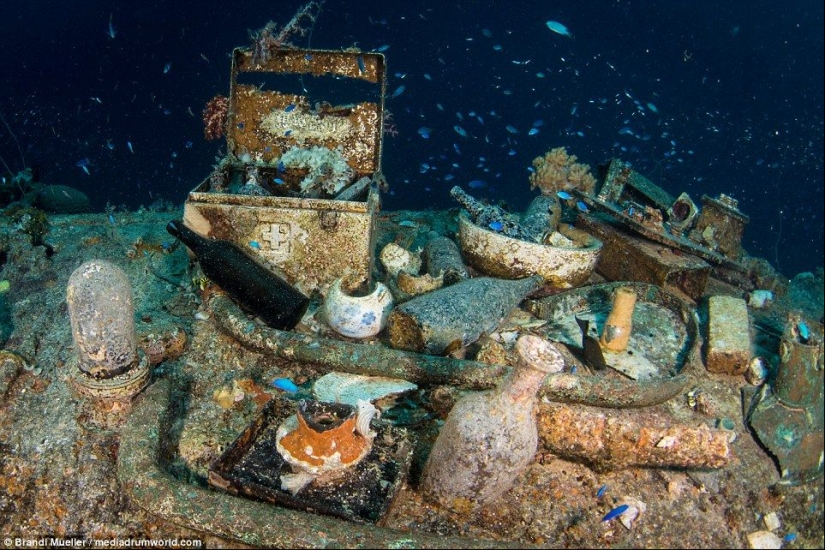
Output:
x=269 y=38
x=303 y=127
x=558 y=171
x=214 y=117
x=328 y=169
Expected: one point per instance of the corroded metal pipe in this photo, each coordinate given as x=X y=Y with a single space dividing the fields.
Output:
x=336 y=355
x=605 y=442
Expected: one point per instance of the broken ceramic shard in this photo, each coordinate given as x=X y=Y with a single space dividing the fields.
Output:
x=397 y=259
x=413 y=285
x=341 y=387
x=323 y=440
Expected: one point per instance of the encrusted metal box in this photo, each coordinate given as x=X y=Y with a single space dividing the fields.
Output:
x=298 y=186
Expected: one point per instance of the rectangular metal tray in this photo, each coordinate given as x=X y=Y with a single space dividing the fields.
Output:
x=251 y=467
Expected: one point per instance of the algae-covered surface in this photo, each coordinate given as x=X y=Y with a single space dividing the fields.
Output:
x=146 y=478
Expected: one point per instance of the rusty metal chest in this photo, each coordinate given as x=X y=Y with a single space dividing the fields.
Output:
x=298 y=186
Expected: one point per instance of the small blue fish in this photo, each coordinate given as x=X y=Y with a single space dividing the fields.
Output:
x=289 y=386
x=84 y=165
x=804 y=333
x=398 y=91
x=615 y=512
x=382 y=48
x=288 y=133
x=582 y=207
x=564 y=195
x=289 y=108
x=477 y=184
x=112 y=220
x=512 y=129
x=497 y=47
x=279 y=181
x=281 y=167
x=308 y=57
x=602 y=490
x=424 y=132
x=362 y=67
x=532 y=131
x=538 y=122
x=496 y=226
x=789 y=538
x=112 y=32
x=559 y=28
x=460 y=131
x=129 y=145
x=255 y=244
x=167 y=67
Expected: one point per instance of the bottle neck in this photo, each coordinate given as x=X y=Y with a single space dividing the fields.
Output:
x=523 y=383
x=188 y=237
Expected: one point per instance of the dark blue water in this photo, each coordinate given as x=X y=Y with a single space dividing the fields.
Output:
x=703 y=97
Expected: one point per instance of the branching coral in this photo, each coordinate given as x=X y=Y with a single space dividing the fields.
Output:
x=214 y=117
x=328 y=169
x=269 y=39
x=558 y=171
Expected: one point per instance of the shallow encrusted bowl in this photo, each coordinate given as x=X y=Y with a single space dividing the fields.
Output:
x=561 y=267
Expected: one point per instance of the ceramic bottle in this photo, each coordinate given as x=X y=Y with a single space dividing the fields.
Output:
x=490 y=437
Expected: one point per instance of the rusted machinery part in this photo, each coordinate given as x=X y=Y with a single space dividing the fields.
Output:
x=336 y=355
x=143 y=445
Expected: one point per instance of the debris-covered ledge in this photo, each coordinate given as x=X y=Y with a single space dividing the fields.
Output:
x=429 y=369
x=145 y=442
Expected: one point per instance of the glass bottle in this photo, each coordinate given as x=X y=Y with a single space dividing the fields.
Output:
x=490 y=437
x=250 y=284
x=488 y=216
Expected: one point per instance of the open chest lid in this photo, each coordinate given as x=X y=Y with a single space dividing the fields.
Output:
x=299 y=98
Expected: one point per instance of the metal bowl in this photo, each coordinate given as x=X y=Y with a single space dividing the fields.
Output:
x=561 y=267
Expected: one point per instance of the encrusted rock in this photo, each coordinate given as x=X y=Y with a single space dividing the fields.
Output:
x=764 y=540
x=729 y=341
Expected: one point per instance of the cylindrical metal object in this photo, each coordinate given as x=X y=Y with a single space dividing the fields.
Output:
x=442 y=256
x=541 y=217
x=799 y=376
x=102 y=317
x=614 y=441
x=619 y=323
